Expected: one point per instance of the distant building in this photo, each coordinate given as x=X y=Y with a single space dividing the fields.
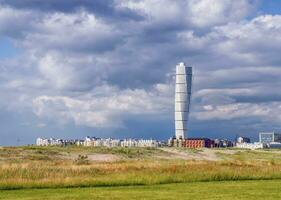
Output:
x=198 y=143
x=139 y=143
x=54 y=142
x=269 y=137
x=98 y=142
x=243 y=140
x=79 y=142
x=173 y=142
x=109 y=142
x=89 y=141
x=42 y=142
x=244 y=145
x=274 y=145
x=223 y=143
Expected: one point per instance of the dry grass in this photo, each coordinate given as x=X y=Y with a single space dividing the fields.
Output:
x=41 y=175
x=44 y=168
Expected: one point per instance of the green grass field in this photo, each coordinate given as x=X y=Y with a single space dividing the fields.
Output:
x=227 y=190
x=138 y=173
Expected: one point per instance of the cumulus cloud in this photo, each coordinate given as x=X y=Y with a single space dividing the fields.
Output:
x=156 y=11
x=266 y=112
x=199 y=13
x=204 y=13
x=107 y=107
x=80 y=31
x=18 y=19
x=105 y=9
x=238 y=44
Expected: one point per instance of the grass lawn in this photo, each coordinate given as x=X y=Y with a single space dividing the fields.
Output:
x=257 y=189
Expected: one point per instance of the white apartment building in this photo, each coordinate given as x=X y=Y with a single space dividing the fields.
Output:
x=256 y=145
x=98 y=142
x=139 y=143
x=48 y=142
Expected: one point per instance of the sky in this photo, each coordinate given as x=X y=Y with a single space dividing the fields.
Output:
x=70 y=69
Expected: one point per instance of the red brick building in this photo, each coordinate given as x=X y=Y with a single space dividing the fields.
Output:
x=198 y=143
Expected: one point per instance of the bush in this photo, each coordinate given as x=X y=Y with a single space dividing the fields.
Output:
x=82 y=160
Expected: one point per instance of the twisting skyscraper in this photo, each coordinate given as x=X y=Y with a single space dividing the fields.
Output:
x=182 y=99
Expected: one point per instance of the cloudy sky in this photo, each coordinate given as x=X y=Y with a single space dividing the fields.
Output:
x=105 y=68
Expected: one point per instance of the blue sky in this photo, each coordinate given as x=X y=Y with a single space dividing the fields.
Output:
x=270 y=7
x=69 y=69
x=7 y=50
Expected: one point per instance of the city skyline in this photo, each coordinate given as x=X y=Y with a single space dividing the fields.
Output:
x=69 y=69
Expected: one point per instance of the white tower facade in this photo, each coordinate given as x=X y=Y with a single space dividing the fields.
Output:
x=182 y=99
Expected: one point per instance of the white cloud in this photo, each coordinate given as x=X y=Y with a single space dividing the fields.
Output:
x=200 y=13
x=244 y=43
x=41 y=125
x=80 y=31
x=13 y=23
x=58 y=73
x=267 y=112
x=204 y=13
x=157 y=11
x=107 y=107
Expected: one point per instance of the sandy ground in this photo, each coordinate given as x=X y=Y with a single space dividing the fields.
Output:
x=204 y=154
x=97 y=157
x=103 y=157
x=168 y=153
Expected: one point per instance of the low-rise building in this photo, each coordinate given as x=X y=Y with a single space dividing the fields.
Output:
x=268 y=137
x=198 y=143
x=173 y=142
x=54 y=142
x=223 y=143
x=147 y=143
x=274 y=145
x=243 y=140
x=109 y=142
x=244 y=145
x=128 y=143
x=89 y=141
x=42 y=142
x=98 y=142
x=79 y=142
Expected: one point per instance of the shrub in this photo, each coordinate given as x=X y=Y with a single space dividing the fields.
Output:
x=82 y=160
